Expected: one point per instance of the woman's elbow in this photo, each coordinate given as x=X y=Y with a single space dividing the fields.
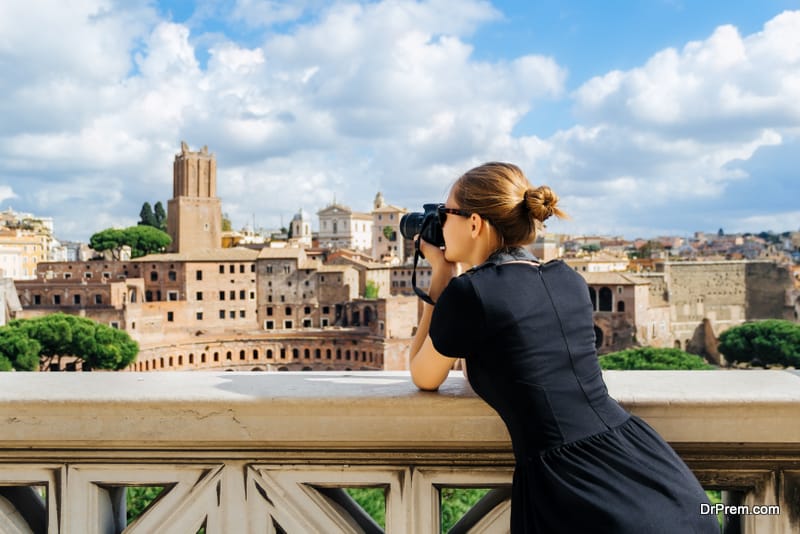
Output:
x=425 y=383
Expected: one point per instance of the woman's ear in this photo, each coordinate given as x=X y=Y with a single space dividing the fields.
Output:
x=476 y=224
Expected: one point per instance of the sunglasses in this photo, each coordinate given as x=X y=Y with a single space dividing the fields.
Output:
x=442 y=212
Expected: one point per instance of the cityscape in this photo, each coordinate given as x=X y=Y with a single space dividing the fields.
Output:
x=340 y=297
x=209 y=300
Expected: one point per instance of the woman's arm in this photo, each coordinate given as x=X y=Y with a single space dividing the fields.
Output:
x=429 y=368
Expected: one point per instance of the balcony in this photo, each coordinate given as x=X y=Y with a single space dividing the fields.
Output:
x=270 y=452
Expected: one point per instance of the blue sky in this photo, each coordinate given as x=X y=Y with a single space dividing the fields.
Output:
x=647 y=118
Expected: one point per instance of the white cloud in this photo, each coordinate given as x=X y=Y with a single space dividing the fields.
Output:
x=356 y=97
x=6 y=193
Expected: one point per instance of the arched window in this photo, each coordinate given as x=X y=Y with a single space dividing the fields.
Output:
x=621 y=306
x=598 y=337
x=606 y=298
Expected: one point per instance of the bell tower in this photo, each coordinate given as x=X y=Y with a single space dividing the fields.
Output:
x=194 y=213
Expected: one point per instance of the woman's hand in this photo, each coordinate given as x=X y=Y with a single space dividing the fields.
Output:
x=441 y=269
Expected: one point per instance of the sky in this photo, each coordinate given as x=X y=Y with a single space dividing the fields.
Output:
x=647 y=118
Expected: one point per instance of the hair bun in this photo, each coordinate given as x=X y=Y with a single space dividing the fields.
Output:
x=542 y=203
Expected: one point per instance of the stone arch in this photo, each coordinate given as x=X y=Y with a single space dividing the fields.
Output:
x=307 y=368
x=598 y=337
x=605 y=299
x=256 y=369
x=283 y=368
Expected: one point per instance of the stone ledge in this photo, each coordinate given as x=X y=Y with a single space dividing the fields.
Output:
x=369 y=410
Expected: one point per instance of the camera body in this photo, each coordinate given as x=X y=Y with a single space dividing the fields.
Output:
x=425 y=224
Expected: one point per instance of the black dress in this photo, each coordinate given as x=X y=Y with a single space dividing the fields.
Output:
x=583 y=464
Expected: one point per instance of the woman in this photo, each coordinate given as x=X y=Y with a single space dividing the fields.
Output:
x=525 y=330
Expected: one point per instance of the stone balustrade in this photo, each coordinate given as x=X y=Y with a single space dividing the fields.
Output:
x=270 y=452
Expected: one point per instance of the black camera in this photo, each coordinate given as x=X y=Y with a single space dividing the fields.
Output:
x=425 y=224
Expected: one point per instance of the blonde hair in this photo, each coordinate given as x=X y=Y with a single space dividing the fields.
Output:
x=500 y=193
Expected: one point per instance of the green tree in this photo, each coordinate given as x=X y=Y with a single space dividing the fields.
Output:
x=145 y=240
x=28 y=343
x=141 y=239
x=161 y=216
x=111 y=239
x=17 y=350
x=227 y=226
x=138 y=498
x=389 y=233
x=772 y=341
x=370 y=290
x=147 y=217
x=652 y=358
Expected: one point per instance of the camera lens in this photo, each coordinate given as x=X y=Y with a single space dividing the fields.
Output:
x=411 y=224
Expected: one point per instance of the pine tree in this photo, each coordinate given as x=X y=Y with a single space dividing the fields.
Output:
x=146 y=216
x=161 y=216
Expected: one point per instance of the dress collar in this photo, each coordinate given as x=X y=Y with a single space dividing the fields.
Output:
x=505 y=255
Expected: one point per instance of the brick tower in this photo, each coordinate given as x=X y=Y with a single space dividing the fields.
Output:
x=194 y=213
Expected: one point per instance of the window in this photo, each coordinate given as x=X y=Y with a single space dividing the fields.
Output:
x=287 y=324
x=269 y=311
x=269 y=325
x=252 y=267
x=37 y=299
x=221 y=269
x=221 y=295
x=222 y=314
x=199 y=316
x=269 y=269
x=106 y=275
x=115 y=325
x=252 y=295
x=306 y=323
x=307 y=310
x=198 y=275
x=242 y=314
x=232 y=314
x=324 y=322
x=326 y=309
x=199 y=295
x=242 y=294
x=170 y=316
x=172 y=295
x=233 y=294
x=98 y=299
x=241 y=268
x=153 y=276
x=76 y=299
x=172 y=276
x=288 y=310
x=87 y=275
x=283 y=298
x=232 y=268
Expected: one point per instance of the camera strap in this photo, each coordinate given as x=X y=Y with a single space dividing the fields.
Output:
x=420 y=293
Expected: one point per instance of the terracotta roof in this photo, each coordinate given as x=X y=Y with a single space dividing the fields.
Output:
x=208 y=254
x=613 y=279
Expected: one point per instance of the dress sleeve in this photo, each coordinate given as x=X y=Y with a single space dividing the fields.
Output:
x=457 y=322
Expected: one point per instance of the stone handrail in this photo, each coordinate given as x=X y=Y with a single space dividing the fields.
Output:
x=268 y=452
